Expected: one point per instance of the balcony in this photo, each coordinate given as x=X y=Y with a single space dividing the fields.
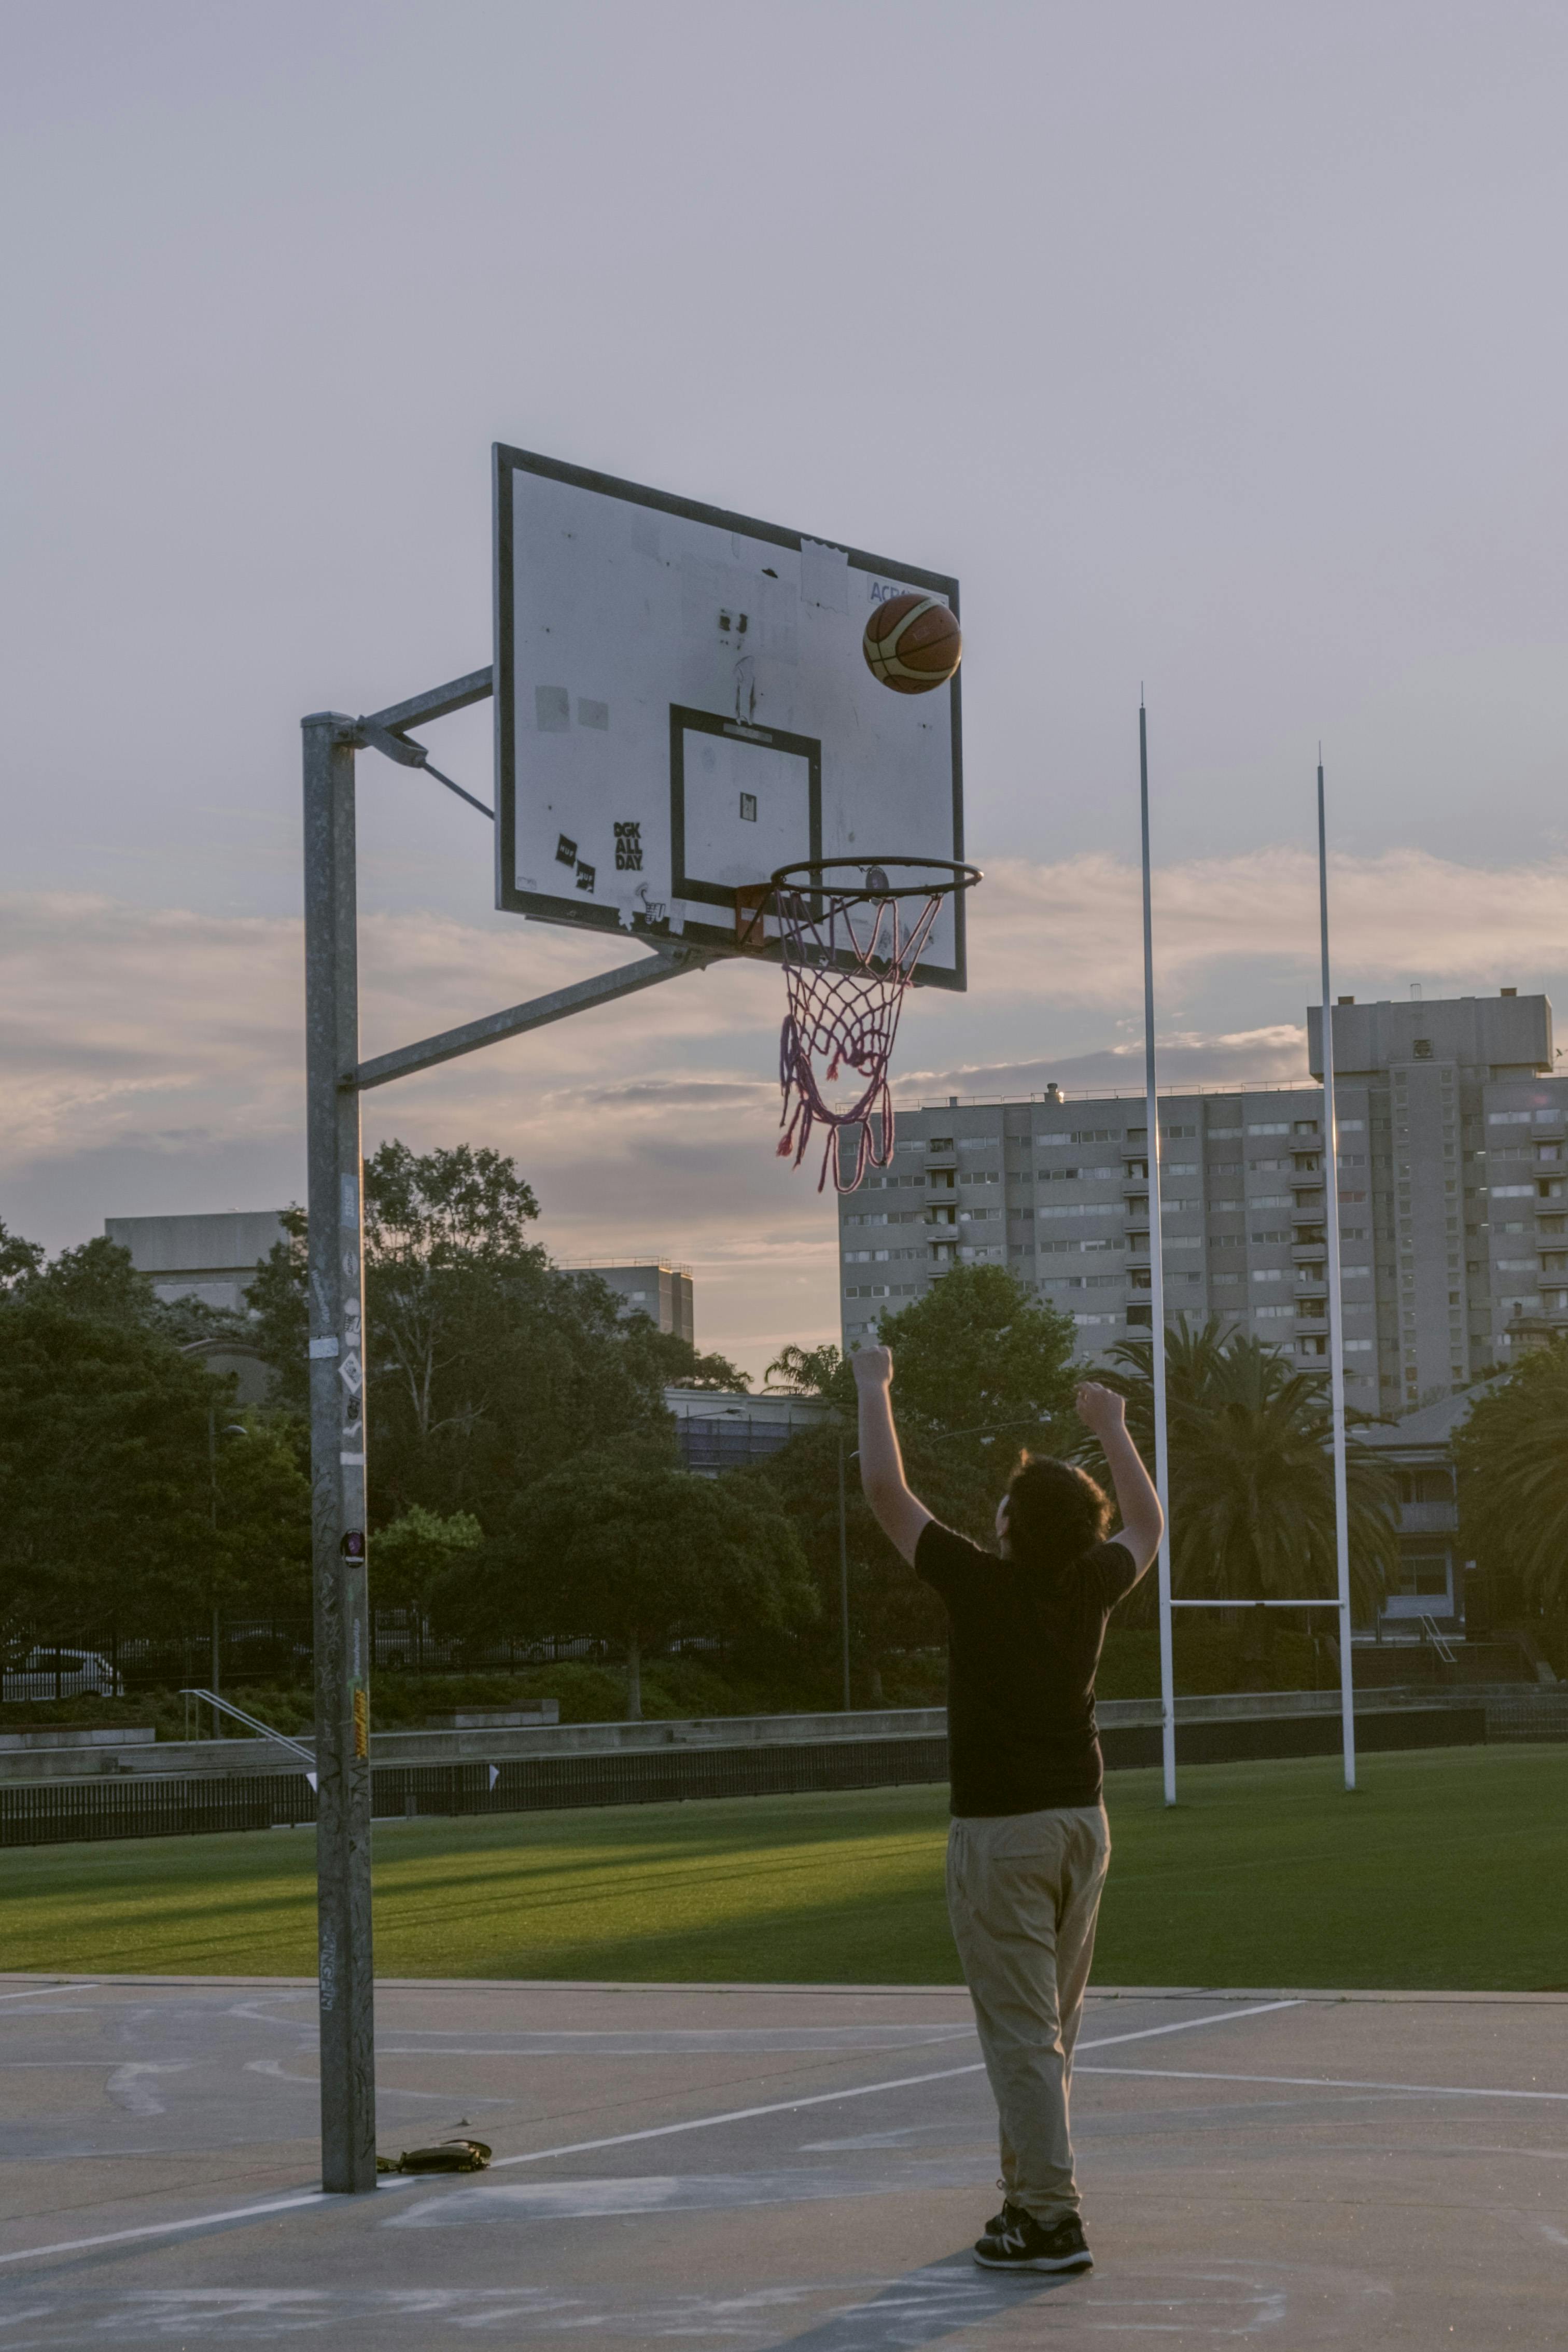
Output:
x=1308 y=1211
x=1428 y=1519
x=1307 y=1243
x=1137 y=1204
x=1311 y=1310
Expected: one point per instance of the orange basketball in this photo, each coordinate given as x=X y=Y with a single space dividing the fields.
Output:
x=912 y=643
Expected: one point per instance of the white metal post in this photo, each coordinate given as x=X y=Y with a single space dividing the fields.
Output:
x=1157 y=1293
x=1336 y=1307
x=337 y=1461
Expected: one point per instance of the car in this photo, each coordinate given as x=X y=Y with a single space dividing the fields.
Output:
x=61 y=1673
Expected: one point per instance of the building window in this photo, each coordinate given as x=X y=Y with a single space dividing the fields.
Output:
x=1422 y=1576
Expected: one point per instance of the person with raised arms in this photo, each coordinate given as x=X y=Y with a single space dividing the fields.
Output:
x=1029 y=1843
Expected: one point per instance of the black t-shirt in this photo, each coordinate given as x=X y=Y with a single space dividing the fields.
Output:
x=1022 y=1653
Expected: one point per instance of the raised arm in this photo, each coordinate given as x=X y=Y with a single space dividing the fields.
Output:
x=901 y=1518
x=1142 y=1521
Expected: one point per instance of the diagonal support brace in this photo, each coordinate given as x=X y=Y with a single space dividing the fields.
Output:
x=605 y=988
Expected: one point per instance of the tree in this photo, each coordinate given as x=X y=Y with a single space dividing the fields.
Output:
x=1251 y=1473
x=410 y=1557
x=18 y=1259
x=1512 y=1457
x=486 y=1366
x=980 y=1356
x=677 y=1363
x=624 y=1548
x=891 y=1611
x=107 y=1476
x=980 y=1371
x=812 y=1372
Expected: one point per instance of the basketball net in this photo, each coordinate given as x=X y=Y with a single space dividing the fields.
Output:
x=846 y=982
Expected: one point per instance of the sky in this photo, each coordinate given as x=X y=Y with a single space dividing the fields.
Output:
x=1217 y=350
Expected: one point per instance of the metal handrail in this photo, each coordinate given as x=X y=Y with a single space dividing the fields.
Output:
x=252 y=1722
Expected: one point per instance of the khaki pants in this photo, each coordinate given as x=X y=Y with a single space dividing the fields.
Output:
x=1023 y=1893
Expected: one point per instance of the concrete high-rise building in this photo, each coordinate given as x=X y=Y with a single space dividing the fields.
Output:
x=1453 y=1201
x=650 y=1286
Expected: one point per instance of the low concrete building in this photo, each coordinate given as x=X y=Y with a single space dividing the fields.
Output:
x=720 y=1428
x=212 y=1258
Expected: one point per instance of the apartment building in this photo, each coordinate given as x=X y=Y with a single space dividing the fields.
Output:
x=1453 y=1201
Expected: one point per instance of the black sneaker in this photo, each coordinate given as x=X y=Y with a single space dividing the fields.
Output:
x=1026 y=2244
x=1007 y=2220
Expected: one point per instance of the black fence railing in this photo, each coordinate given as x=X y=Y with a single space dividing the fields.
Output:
x=109 y=1661
x=191 y=1805
x=61 y=1812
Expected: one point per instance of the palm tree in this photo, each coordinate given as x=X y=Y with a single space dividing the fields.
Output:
x=1251 y=1472
x=1512 y=1453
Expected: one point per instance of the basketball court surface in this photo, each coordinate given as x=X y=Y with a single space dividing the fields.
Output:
x=777 y=2167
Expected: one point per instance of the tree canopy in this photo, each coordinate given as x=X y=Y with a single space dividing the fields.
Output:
x=624 y=1547
x=981 y=1370
x=487 y=1365
x=1512 y=1458
x=123 y=1495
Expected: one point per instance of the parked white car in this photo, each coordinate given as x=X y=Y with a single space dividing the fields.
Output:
x=62 y=1674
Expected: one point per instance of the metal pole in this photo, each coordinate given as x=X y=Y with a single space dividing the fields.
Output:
x=844 y=1575
x=1336 y=1306
x=1157 y=1293
x=219 y=1725
x=337 y=1463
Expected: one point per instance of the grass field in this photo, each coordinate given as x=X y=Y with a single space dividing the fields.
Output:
x=1446 y=1870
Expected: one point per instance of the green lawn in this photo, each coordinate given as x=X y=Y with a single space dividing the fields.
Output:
x=1446 y=1869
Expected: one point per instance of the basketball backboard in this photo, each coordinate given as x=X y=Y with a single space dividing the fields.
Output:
x=682 y=706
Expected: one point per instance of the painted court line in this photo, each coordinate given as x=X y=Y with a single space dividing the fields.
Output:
x=195 y=2222
x=616 y=2139
x=1316 y=2082
x=33 y=1990
x=865 y=2090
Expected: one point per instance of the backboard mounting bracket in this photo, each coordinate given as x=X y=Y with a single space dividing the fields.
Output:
x=605 y=988
x=385 y=730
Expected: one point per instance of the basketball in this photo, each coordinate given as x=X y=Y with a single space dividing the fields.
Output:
x=912 y=643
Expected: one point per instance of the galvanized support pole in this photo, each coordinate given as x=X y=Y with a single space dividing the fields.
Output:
x=1157 y=1293
x=1336 y=1309
x=338 y=1462
x=844 y=1573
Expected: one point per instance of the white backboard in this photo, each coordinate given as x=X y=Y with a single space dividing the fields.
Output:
x=682 y=706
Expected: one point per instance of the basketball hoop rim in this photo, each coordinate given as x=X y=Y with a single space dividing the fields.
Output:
x=815 y=874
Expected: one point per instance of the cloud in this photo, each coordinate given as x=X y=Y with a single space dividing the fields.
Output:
x=156 y=1058
x=1400 y=915
x=1244 y=1056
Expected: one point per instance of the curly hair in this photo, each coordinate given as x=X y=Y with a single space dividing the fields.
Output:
x=1056 y=1513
